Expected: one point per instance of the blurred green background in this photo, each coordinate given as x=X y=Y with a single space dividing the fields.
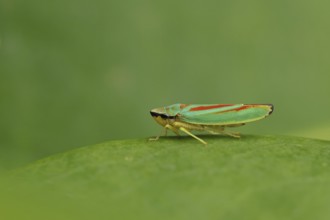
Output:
x=75 y=73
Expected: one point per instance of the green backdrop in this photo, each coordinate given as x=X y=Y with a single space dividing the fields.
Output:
x=75 y=73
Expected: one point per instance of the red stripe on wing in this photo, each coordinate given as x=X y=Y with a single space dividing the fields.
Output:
x=200 y=108
x=241 y=108
x=246 y=106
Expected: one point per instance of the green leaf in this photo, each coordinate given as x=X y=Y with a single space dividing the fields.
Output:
x=255 y=177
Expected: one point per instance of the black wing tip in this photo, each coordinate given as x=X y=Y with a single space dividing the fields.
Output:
x=271 y=108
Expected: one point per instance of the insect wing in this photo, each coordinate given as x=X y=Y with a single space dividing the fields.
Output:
x=224 y=114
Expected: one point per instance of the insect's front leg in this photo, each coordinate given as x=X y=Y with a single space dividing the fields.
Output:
x=155 y=138
x=167 y=126
x=161 y=133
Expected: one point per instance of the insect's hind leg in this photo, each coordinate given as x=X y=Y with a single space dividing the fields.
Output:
x=221 y=130
x=232 y=134
x=192 y=135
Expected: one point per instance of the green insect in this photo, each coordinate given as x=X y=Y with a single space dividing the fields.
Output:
x=213 y=118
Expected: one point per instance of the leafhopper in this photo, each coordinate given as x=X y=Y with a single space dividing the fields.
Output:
x=212 y=118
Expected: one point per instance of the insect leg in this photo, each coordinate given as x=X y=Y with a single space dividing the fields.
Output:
x=221 y=130
x=156 y=138
x=165 y=132
x=192 y=135
x=168 y=126
x=232 y=134
x=214 y=130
